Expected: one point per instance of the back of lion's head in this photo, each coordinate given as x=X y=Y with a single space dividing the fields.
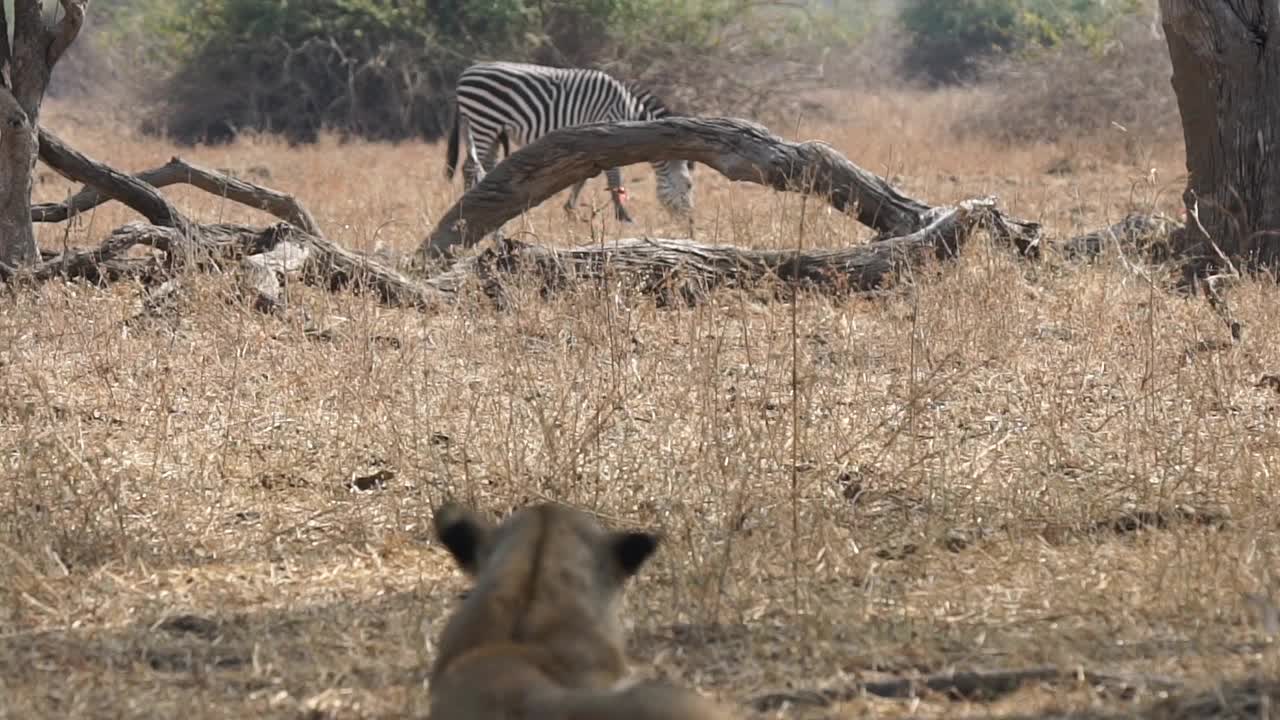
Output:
x=544 y=568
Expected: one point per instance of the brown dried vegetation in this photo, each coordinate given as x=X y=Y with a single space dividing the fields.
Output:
x=1005 y=466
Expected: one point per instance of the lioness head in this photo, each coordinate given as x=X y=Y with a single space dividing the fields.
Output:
x=550 y=577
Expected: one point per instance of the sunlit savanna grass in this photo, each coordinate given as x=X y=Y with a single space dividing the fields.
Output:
x=849 y=488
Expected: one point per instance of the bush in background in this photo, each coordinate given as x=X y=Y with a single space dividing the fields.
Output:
x=1074 y=90
x=950 y=39
x=365 y=66
x=385 y=69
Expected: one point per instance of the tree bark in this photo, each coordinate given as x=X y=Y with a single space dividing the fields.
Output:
x=29 y=62
x=1226 y=75
x=738 y=149
x=17 y=158
x=684 y=272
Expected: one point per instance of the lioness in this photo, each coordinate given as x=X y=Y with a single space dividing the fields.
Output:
x=538 y=637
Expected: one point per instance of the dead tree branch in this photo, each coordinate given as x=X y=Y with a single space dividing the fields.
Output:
x=65 y=32
x=129 y=190
x=680 y=268
x=738 y=149
x=1145 y=235
x=960 y=685
x=178 y=171
x=912 y=233
x=264 y=256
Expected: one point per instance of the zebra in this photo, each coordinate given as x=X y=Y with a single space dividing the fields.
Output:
x=498 y=100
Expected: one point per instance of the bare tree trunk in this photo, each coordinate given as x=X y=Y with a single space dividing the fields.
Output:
x=28 y=65
x=1226 y=75
x=17 y=158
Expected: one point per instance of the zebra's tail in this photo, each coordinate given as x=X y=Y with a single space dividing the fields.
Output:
x=451 y=157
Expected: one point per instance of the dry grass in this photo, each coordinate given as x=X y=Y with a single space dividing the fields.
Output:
x=177 y=537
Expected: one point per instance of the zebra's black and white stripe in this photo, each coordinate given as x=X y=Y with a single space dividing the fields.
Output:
x=500 y=101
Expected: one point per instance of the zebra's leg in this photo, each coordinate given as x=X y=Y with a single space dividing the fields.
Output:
x=490 y=159
x=571 y=205
x=487 y=161
x=472 y=171
x=618 y=194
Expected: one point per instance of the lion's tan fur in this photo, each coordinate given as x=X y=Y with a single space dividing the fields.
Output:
x=539 y=635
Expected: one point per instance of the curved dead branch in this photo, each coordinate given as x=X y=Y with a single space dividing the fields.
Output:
x=738 y=149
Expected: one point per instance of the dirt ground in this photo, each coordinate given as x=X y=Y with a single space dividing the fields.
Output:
x=1005 y=465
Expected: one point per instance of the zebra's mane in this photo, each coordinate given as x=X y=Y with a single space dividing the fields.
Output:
x=648 y=100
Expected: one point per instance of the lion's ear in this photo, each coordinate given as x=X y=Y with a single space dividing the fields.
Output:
x=463 y=533
x=631 y=549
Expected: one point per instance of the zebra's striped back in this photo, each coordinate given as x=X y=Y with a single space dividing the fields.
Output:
x=504 y=101
x=532 y=100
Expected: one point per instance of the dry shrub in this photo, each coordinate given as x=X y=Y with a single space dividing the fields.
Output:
x=742 y=75
x=764 y=88
x=777 y=88
x=1073 y=92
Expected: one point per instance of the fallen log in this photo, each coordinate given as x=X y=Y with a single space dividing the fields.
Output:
x=671 y=268
x=962 y=685
x=738 y=149
x=1143 y=235
x=911 y=233
x=264 y=256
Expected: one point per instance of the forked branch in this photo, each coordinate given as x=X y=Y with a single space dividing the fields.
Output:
x=178 y=171
x=65 y=32
x=36 y=48
x=129 y=190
